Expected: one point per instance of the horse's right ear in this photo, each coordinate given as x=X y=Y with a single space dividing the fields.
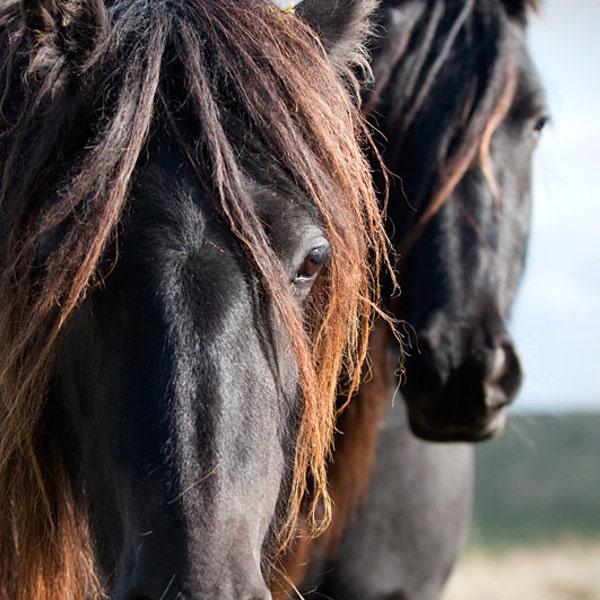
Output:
x=518 y=9
x=68 y=28
x=342 y=26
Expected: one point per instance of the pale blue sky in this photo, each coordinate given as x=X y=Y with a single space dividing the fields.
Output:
x=556 y=321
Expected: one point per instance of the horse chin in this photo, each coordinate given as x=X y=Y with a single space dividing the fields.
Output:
x=430 y=427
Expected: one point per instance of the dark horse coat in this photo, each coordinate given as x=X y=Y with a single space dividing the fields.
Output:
x=186 y=237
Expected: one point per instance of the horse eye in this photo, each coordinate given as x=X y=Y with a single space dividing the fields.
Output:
x=540 y=123
x=313 y=262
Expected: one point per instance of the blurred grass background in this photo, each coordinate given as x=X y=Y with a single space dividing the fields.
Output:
x=536 y=524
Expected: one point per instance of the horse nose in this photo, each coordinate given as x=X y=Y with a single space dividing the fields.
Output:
x=236 y=584
x=462 y=396
x=258 y=593
x=504 y=374
x=147 y=583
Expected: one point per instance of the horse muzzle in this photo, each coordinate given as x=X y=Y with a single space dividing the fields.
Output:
x=141 y=590
x=467 y=402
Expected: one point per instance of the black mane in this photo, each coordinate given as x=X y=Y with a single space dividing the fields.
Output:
x=427 y=48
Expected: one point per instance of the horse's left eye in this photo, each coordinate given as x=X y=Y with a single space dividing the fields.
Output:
x=541 y=123
x=312 y=264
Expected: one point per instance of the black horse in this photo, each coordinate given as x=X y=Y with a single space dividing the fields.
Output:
x=461 y=107
x=458 y=107
x=187 y=228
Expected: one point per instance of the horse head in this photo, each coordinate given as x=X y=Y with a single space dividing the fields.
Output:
x=188 y=226
x=461 y=117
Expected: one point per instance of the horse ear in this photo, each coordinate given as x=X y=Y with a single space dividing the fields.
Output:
x=518 y=9
x=70 y=28
x=342 y=26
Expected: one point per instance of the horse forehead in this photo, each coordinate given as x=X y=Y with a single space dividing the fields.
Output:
x=529 y=84
x=173 y=213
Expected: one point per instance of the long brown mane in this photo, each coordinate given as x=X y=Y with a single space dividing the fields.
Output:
x=68 y=160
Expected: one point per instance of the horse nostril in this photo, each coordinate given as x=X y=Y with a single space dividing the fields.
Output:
x=136 y=596
x=427 y=372
x=504 y=371
x=133 y=593
x=513 y=374
x=257 y=592
x=498 y=364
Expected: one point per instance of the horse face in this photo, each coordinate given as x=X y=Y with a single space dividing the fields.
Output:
x=462 y=278
x=159 y=257
x=182 y=392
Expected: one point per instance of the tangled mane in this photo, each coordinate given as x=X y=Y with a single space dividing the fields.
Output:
x=69 y=156
x=420 y=63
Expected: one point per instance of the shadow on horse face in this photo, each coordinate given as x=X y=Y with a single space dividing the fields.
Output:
x=461 y=264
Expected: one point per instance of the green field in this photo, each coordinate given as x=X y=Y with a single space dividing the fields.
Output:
x=539 y=482
x=536 y=529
